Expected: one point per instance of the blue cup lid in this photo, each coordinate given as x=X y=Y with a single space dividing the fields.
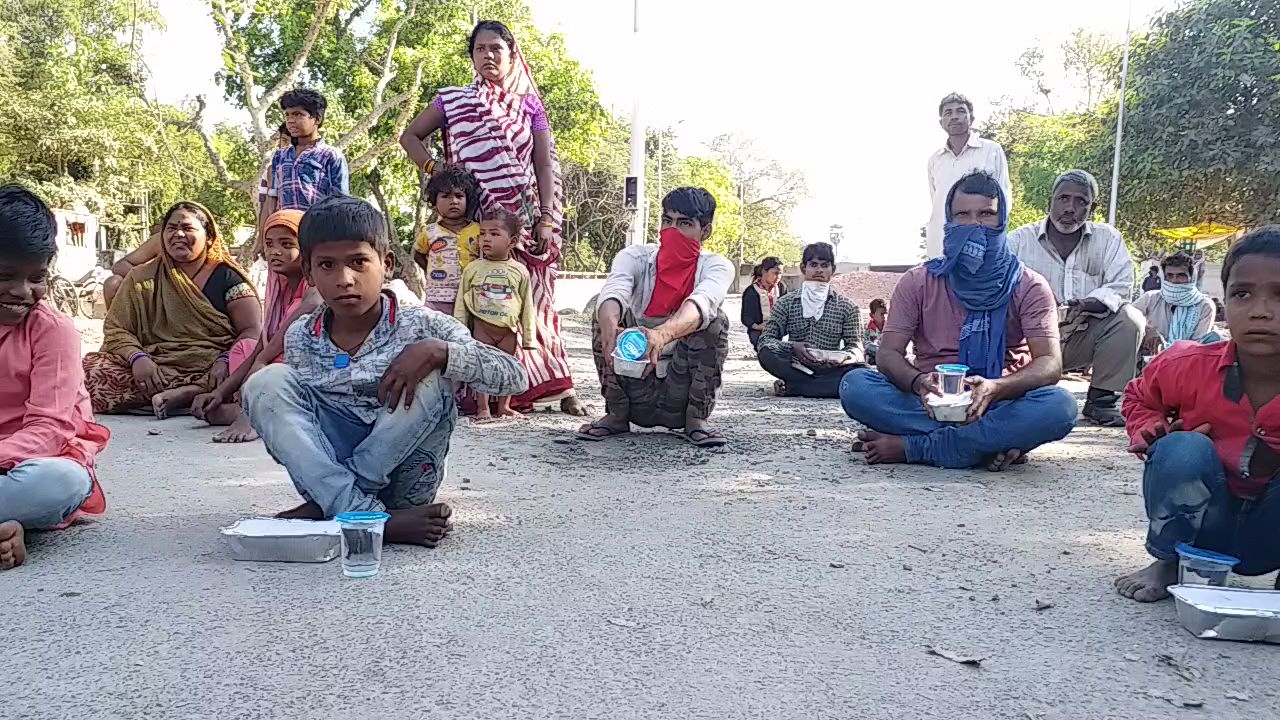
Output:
x=1188 y=551
x=632 y=345
x=953 y=369
x=361 y=518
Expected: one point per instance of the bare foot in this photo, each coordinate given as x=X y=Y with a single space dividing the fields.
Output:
x=1150 y=583
x=507 y=412
x=306 y=511
x=1005 y=459
x=169 y=401
x=573 y=406
x=226 y=414
x=482 y=415
x=882 y=449
x=424 y=525
x=13 y=551
x=239 y=432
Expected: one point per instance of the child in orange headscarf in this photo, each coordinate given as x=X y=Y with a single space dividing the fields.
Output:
x=290 y=297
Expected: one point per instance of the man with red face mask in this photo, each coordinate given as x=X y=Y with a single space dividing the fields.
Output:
x=672 y=293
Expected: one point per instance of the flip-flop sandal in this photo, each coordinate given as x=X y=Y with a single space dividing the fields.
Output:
x=609 y=432
x=710 y=438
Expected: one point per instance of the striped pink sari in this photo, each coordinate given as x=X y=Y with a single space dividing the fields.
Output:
x=487 y=131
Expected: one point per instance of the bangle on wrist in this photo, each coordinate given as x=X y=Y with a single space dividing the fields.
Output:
x=429 y=165
x=136 y=357
x=224 y=357
x=912 y=387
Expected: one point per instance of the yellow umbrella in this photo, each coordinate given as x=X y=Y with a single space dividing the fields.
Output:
x=1199 y=236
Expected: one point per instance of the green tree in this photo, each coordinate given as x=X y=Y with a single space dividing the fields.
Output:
x=75 y=124
x=1204 y=115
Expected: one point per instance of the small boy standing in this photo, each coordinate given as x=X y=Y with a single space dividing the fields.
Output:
x=445 y=247
x=1206 y=419
x=48 y=439
x=361 y=412
x=495 y=299
x=309 y=169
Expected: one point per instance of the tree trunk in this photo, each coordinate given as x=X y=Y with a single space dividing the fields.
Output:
x=406 y=269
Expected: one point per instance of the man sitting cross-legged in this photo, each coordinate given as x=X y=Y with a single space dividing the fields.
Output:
x=1206 y=418
x=812 y=319
x=976 y=305
x=672 y=292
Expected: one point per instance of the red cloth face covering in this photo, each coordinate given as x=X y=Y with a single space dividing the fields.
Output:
x=677 y=268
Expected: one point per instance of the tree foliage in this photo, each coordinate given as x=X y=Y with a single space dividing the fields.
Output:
x=1202 y=115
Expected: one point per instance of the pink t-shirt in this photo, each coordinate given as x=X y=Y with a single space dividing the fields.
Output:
x=44 y=408
x=924 y=309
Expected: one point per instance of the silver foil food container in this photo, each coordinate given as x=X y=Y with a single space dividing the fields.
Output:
x=1219 y=613
x=281 y=540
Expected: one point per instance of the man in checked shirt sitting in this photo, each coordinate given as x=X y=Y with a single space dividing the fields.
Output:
x=814 y=336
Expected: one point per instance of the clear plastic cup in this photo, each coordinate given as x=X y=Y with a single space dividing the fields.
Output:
x=1203 y=567
x=951 y=379
x=362 y=542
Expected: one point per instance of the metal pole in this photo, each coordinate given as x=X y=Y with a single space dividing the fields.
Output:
x=1124 y=87
x=636 y=233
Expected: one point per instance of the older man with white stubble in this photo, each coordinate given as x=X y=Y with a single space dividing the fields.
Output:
x=1090 y=271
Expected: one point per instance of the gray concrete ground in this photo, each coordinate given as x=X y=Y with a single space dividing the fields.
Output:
x=641 y=578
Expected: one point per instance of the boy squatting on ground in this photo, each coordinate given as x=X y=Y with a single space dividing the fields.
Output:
x=48 y=440
x=495 y=299
x=1206 y=419
x=361 y=412
x=444 y=248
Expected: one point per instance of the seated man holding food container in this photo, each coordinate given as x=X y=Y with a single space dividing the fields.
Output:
x=982 y=389
x=659 y=336
x=814 y=335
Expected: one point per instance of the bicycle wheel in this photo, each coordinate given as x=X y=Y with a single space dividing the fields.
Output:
x=63 y=295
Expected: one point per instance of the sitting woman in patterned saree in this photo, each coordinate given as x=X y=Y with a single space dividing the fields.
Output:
x=168 y=335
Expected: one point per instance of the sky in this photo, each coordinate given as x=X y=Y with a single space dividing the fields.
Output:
x=846 y=92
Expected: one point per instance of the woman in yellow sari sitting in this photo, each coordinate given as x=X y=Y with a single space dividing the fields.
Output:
x=167 y=336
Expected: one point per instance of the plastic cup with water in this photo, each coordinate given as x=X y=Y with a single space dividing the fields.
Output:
x=362 y=542
x=1203 y=567
x=950 y=379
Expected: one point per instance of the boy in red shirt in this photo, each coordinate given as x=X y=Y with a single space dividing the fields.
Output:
x=1207 y=421
x=48 y=439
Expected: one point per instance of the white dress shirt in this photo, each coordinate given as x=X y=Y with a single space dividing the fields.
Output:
x=635 y=273
x=946 y=168
x=1100 y=266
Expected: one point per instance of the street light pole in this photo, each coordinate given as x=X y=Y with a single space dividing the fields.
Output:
x=1124 y=87
x=635 y=234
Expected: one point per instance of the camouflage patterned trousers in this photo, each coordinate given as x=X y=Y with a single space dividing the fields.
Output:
x=689 y=389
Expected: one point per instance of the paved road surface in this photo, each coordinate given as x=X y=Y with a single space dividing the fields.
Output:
x=637 y=579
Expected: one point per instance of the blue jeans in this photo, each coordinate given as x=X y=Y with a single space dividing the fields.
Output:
x=1041 y=416
x=42 y=492
x=1185 y=489
x=342 y=463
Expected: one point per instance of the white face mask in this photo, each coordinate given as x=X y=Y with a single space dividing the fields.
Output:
x=813 y=298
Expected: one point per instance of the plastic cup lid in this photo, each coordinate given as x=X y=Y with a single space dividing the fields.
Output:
x=953 y=369
x=631 y=345
x=1188 y=551
x=361 y=518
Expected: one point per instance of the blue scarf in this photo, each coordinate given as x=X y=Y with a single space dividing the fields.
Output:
x=982 y=273
x=1185 y=299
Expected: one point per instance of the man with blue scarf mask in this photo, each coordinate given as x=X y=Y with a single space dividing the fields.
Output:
x=1177 y=310
x=977 y=306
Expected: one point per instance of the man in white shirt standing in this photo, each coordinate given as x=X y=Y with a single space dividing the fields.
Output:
x=1090 y=271
x=964 y=153
x=672 y=292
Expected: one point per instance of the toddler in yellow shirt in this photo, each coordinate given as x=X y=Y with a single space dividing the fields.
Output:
x=495 y=299
x=445 y=247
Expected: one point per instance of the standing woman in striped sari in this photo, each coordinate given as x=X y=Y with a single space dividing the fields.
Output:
x=497 y=129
